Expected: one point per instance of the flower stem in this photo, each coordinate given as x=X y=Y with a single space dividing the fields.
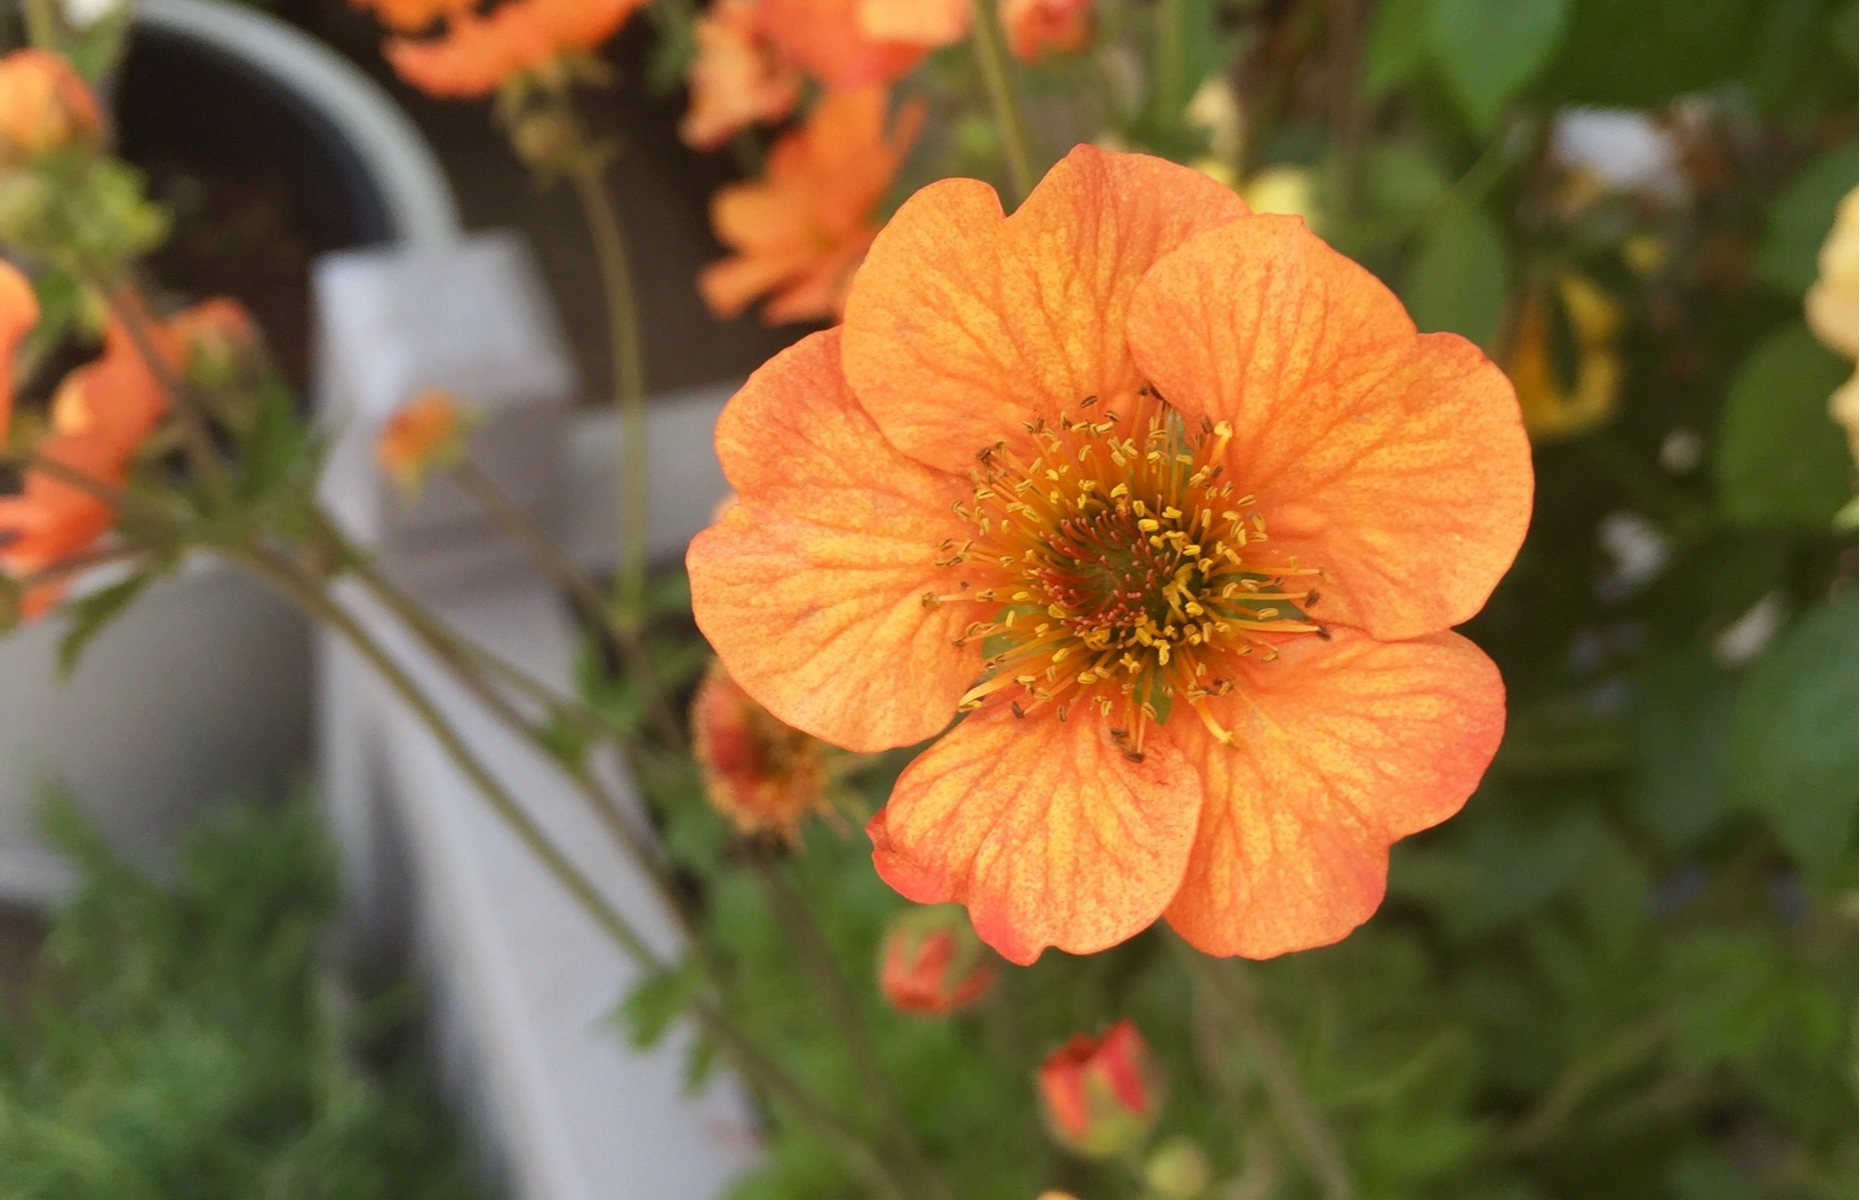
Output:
x=629 y=384
x=991 y=56
x=816 y=957
x=1234 y=985
x=126 y=306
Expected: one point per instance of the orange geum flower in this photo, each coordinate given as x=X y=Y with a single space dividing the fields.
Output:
x=477 y=54
x=800 y=231
x=19 y=314
x=1173 y=506
x=429 y=433
x=1037 y=27
x=763 y=776
x=737 y=79
x=931 y=962
x=827 y=39
x=411 y=16
x=45 y=105
x=1101 y=1095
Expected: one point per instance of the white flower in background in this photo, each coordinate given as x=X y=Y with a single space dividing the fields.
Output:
x=1746 y=637
x=1639 y=548
x=85 y=13
x=1621 y=150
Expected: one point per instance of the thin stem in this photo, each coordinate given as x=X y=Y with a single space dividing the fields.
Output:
x=757 y=1067
x=1346 y=116
x=991 y=56
x=1310 y=1136
x=817 y=960
x=1166 y=100
x=43 y=24
x=629 y=383
x=546 y=555
x=195 y=432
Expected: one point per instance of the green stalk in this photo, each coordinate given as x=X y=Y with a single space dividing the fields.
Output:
x=991 y=56
x=629 y=384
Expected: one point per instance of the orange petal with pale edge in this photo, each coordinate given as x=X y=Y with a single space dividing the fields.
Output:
x=810 y=586
x=1398 y=462
x=1342 y=748
x=962 y=325
x=1043 y=828
x=19 y=312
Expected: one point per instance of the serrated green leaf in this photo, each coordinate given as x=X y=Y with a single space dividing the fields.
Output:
x=1460 y=277
x=656 y=1002
x=90 y=615
x=1781 y=458
x=1793 y=753
x=1801 y=219
x=1490 y=50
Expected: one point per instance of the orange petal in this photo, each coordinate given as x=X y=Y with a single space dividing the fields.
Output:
x=810 y=586
x=962 y=325
x=1397 y=462
x=1043 y=828
x=19 y=312
x=1342 y=747
x=823 y=38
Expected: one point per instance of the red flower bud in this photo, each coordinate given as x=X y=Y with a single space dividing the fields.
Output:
x=45 y=105
x=1101 y=1095
x=763 y=776
x=932 y=962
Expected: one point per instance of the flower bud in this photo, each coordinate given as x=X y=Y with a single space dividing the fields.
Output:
x=45 y=105
x=932 y=962
x=763 y=776
x=1178 y=1170
x=1100 y=1095
x=1035 y=27
x=429 y=433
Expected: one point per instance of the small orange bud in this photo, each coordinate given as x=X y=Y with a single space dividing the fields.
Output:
x=1036 y=26
x=1100 y=1095
x=762 y=775
x=45 y=105
x=932 y=962
x=427 y=434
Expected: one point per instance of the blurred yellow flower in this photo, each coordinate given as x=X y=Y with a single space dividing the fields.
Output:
x=1557 y=406
x=1833 y=307
x=1288 y=190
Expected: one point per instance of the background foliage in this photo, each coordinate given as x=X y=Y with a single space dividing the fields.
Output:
x=1627 y=969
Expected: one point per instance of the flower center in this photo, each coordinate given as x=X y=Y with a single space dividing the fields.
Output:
x=1124 y=567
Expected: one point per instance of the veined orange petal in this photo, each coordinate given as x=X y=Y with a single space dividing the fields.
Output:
x=962 y=325
x=1341 y=748
x=1397 y=462
x=1044 y=828
x=810 y=587
x=19 y=313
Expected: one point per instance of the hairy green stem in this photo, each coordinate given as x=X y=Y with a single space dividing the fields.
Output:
x=991 y=56
x=810 y=944
x=629 y=384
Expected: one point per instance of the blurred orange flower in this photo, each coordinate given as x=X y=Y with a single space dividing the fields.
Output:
x=1202 y=643
x=801 y=230
x=411 y=16
x=1101 y=1095
x=1035 y=27
x=477 y=54
x=763 y=776
x=919 y=22
x=19 y=313
x=738 y=79
x=101 y=415
x=44 y=105
x=427 y=434
x=931 y=962
x=825 y=38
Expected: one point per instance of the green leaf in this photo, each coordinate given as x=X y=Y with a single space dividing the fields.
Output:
x=88 y=616
x=1460 y=277
x=1644 y=53
x=1490 y=50
x=1700 y=1175
x=1397 y=43
x=650 y=1008
x=1801 y=219
x=1681 y=720
x=1793 y=753
x=1781 y=458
